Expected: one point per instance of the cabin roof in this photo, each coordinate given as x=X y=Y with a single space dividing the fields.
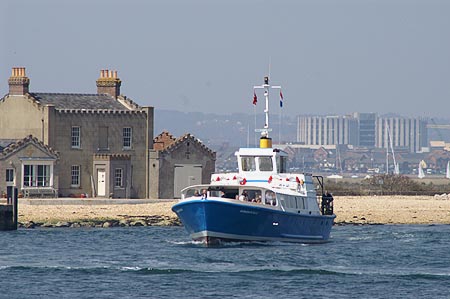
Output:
x=260 y=152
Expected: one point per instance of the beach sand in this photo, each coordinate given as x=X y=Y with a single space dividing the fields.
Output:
x=354 y=210
x=392 y=210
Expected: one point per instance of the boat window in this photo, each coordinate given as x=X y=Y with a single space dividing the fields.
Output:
x=248 y=163
x=252 y=195
x=230 y=193
x=270 y=198
x=284 y=200
x=282 y=164
x=192 y=192
x=265 y=164
x=216 y=193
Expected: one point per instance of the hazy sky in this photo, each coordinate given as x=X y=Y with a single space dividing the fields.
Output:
x=331 y=57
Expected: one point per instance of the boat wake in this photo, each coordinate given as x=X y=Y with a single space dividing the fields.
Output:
x=274 y=270
x=237 y=244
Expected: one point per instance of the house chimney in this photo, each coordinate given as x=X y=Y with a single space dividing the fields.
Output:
x=109 y=83
x=18 y=82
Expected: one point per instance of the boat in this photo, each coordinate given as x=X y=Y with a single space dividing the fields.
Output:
x=262 y=201
x=447 y=171
x=422 y=165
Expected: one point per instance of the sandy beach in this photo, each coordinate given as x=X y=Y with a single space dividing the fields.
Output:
x=349 y=210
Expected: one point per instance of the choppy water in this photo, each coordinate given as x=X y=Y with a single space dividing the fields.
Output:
x=161 y=262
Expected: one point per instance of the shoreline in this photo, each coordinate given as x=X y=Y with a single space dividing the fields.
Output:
x=349 y=210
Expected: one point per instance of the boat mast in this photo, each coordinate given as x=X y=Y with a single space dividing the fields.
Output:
x=266 y=87
x=396 y=170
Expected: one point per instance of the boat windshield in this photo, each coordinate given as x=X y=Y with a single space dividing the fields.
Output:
x=265 y=164
x=193 y=192
x=248 y=163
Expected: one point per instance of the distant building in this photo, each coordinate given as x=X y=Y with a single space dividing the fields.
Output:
x=326 y=130
x=403 y=132
x=102 y=140
x=366 y=129
x=363 y=130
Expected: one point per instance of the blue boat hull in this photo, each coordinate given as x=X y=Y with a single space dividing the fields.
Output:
x=214 y=220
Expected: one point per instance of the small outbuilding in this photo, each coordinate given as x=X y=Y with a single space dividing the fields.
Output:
x=176 y=163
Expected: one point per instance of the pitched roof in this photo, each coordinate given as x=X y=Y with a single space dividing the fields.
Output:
x=18 y=144
x=171 y=143
x=5 y=142
x=163 y=140
x=78 y=101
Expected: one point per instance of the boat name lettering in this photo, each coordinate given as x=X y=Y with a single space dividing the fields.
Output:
x=248 y=212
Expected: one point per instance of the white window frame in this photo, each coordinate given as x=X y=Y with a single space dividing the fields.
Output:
x=8 y=173
x=75 y=173
x=75 y=137
x=118 y=178
x=34 y=176
x=127 y=137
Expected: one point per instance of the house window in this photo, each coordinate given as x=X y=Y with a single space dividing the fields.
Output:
x=75 y=172
x=9 y=175
x=118 y=178
x=76 y=137
x=127 y=135
x=36 y=175
x=103 y=138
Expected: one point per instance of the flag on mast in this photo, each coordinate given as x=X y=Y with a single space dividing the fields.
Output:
x=255 y=98
x=281 y=99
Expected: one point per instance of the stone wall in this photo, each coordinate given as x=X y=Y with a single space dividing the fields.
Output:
x=187 y=151
x=90 y=124
x=20 y=116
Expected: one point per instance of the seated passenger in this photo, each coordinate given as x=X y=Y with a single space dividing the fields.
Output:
x=270 y=197
x=196 y=193
x=244 y=196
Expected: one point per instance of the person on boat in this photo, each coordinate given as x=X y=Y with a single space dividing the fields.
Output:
x=270 y=198
x=204 y=194
x=196 y=193
x=244 y=196
x=327 y=203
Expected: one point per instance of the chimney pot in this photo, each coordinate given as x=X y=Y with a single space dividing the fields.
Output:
x=108 y=83
x=18 y=82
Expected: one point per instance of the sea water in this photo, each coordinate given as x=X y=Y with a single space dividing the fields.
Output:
x=385 y=261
